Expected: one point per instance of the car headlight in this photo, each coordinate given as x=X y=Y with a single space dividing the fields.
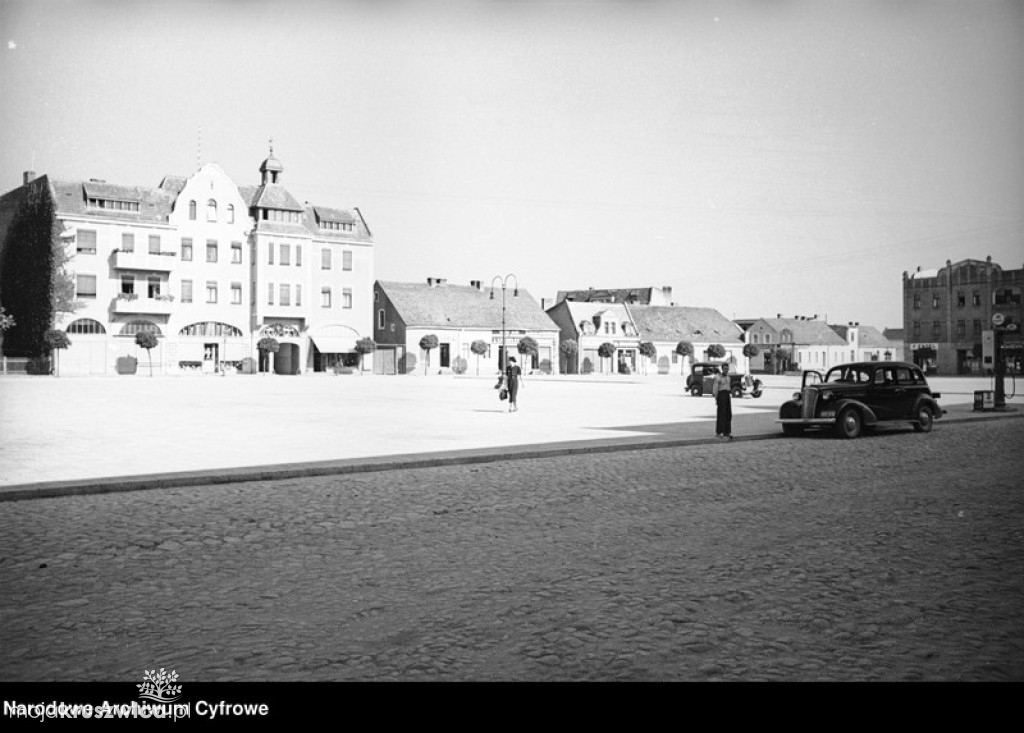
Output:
x=826 y=395
x=797 y=396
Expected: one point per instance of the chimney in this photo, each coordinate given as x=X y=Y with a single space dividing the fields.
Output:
x=474 y=284
x=29 y=176
x=430 y=282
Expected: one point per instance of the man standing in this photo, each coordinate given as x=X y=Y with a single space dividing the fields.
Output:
x=722 y=388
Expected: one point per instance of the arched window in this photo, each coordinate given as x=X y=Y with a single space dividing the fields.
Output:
x=231 y=213
x=191 y=210
x=86 y=326
x=133 y=327
x=210 y=328
x=211 y=210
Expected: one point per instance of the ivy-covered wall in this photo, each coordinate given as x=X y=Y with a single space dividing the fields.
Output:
x=31 y=257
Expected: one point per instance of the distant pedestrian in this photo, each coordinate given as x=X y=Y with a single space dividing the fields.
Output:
x=513 y=377
x=721 y=386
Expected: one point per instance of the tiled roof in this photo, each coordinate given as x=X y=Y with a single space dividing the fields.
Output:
x=893 y=334
x=614 y=295
x=154 y=203
x=464 y=306
x=174 y=184
x=275 y=196
x=675 y=323
x=810 y=331
x=315 y=214
x=325 y=214
x=869 y=336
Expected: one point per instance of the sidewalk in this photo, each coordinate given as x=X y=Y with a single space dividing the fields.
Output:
x=90 y=435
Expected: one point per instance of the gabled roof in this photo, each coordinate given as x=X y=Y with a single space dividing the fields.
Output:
x=893 y=334
x=464 y=306
x=805 y=331
x=870 y=336
x=867 y=336
x=674 y=323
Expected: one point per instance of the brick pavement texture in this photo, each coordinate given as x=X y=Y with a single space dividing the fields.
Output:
x=895 y=557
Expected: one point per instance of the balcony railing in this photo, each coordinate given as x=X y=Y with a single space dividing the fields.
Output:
x=130 y=304
x=139 y=260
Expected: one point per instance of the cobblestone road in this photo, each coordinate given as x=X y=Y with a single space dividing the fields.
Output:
x=895 y=557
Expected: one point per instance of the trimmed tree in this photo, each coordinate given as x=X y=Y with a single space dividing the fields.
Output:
x=146 y=340
x=649 y=351
x=428 y=343
x=478 y=347
x=685 y=350
x=606 y=350
x=527 y=346
x=750 y=350
x=569 y=349
x=268 y=345
x=55 y=340
x=716 y=351
x=364 y=346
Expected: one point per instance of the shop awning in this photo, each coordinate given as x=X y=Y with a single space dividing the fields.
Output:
x=334 y=344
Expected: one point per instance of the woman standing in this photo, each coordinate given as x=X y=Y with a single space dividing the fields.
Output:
x=513 y=376
x=722 y=388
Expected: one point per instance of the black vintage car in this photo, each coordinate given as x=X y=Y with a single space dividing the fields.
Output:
x=703 y=373
x=852 y=398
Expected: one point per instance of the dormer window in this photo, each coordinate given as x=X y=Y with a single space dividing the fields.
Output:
x=292 y=217
x=337 y=226
x=113 y=204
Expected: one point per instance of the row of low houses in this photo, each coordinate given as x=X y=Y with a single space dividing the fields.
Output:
x=211 y=268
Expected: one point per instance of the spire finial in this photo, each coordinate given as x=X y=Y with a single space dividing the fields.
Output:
x=271 y=141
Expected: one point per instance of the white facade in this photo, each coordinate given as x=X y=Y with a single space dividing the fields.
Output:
x=198 y=272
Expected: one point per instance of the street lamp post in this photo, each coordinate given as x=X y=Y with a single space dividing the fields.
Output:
x=515 y=292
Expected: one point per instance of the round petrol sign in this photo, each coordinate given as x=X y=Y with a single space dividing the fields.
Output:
x=997 y=319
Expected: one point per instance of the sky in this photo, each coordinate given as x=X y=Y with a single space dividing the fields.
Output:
x=758 y=157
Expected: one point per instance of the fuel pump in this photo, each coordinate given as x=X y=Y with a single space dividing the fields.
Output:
x=1000 y=327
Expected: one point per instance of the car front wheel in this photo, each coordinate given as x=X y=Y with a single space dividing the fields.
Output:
x=695 y=391
x=737 y=392
x=924 y=420
x=849 y=424
x=756 y=392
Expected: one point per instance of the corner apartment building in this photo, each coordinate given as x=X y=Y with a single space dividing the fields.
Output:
x=947 y=311
x=210 y=268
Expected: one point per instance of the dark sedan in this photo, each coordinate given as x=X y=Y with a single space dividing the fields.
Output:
x=852 y=398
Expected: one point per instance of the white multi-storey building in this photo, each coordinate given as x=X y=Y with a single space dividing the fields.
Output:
x=210 y=268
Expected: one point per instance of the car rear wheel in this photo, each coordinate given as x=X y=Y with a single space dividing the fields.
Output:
x=695 y=391
x=849 y=423
x=756 y=391
x=793 y=430
x=924 y=420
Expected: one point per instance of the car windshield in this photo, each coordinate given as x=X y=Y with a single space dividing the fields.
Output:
x=848 y=375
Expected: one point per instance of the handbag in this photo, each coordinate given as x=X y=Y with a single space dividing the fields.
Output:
x=503 y=394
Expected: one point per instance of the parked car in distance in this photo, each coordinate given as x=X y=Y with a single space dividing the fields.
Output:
x=852 y=398
x=702 y=373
